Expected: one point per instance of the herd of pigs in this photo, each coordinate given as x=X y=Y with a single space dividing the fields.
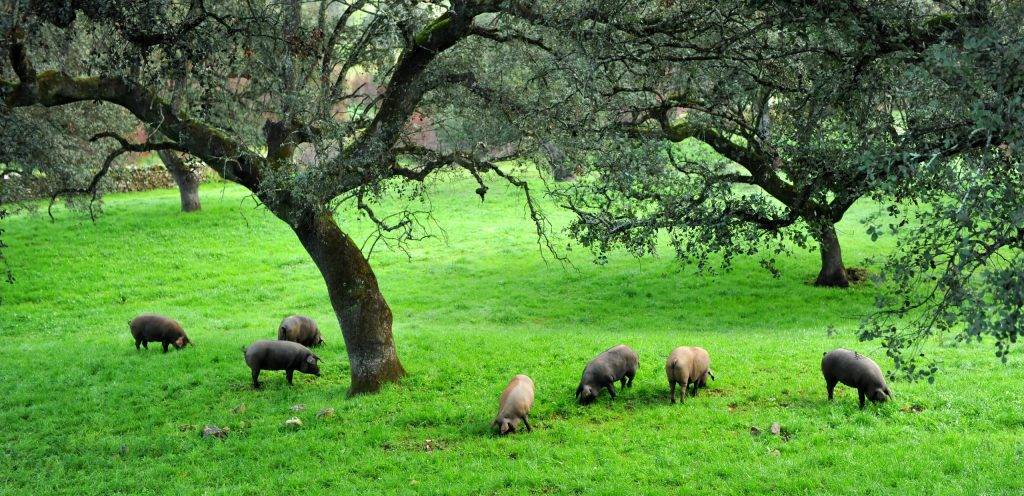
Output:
x=685 y=366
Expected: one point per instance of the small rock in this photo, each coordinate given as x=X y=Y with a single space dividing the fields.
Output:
x=776 y=429
x=754 y=431
x=298 y=408
x=214 y=431
x=293 y=423
x=774 y=452
x=239 y=409
x=186 y=427
x=325 y=413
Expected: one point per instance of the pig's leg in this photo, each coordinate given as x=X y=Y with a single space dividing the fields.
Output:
x=288 y=373
x=831 y=386
x=696 y=387
x=145 y=344
x=672 y=391
x=255 y=378
x=861 y=394
x=630 y=377
x=611 y=389
x=526 y=422
x=165 y=346
x=622 y=383
x=137 y=343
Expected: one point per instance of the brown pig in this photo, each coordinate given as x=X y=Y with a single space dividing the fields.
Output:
x=280 y=355
x=618 y=363
x=157 y=328
x=300 y=329
x=857 y=371
x=516 y=401
x=687 y=365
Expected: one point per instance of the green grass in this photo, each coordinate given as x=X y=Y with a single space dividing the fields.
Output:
x=85 y=413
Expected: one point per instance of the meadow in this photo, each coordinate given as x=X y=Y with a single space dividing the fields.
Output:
x=85 y=413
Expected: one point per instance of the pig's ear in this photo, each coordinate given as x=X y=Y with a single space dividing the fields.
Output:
x=579 y=389
x=311 y=359
x=506 y=427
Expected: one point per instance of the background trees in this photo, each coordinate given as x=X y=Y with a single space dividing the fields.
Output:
x=960 y=184
x=794 y=102
x=914 y=104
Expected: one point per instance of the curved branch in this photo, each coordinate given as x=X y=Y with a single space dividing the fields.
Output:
x=225 y=155
x=93 y=187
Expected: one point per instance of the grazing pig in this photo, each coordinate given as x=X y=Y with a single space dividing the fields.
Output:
x=618 y=363
x=157 y=328
x=300 y=329
x=687 y=365
x=280 y=355
x=515 y=404
x=857 y=371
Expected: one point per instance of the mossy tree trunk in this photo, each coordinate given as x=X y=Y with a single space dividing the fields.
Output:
x=185 y=177
x=833 y=273
x=363 y=314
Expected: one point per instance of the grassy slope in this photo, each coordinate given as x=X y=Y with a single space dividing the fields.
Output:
x=85 y=413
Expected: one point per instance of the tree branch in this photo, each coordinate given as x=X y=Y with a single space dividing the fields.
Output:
x=228 y=157
x=93 y=187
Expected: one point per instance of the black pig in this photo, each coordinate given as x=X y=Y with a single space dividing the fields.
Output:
x=857 y=371
x=157 y=328
x=280 y=355
x=618 y=363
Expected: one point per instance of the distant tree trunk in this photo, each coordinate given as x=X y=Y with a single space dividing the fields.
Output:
x=833 y=273
x=364 y=316
x=561 y=169
x=186 y=179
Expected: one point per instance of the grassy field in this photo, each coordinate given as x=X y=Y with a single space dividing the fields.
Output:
x=85 y=413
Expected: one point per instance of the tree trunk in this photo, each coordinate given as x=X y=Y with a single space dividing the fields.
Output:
x=364 y=316
x=833 y=273
x=561 y=169
x=186 y=179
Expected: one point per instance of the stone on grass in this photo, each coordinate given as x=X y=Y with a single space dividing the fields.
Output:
x=293 y=423
x=239 y=409
x=298 y=408
x=214 y=431
x=776 y=429
x=325 y=413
